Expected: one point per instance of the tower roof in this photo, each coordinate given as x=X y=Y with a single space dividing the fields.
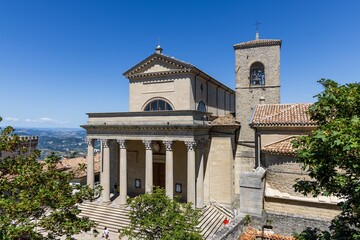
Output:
x=258 y=43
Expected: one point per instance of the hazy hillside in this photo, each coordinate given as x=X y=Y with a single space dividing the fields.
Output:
x=64 y=142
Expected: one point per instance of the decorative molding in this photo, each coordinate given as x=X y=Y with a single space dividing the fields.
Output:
x=90 y=141
x=105 y=143
x=122 y=143
x=168 y=145
x=148 y=144
x=190 y=145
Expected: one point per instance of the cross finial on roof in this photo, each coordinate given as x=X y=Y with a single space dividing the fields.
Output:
x=257 y=29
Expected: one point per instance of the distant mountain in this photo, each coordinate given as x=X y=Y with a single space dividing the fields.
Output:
x=65 y=142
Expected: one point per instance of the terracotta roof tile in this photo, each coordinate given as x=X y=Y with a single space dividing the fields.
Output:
x=228 y=119
x=252 y=234
x=282 y=115
x=282 y=147
x=258 y=43
x=73 y=164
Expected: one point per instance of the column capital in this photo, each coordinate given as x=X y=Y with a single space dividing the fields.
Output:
x=90 y=141
x=168 y=145
x=105 y=143
x=148 y=144
x=122 y=143
x=190 y=145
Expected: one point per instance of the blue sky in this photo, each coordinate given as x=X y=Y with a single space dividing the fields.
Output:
x=62 y=59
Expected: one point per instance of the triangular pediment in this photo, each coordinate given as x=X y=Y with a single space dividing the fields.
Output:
x=158 y=64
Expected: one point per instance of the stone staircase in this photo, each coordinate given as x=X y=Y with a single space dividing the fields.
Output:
x=116 y=218
x=212 y=219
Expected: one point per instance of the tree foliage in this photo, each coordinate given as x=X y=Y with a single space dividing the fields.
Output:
x=156 y=216
x=331 y=154
x=36 y=200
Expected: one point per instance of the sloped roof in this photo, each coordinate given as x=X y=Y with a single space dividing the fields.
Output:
x=282 y=147
x=228 y=119
x=179 y=68
x=282 y=115
x=73 y=165
x=258 y=43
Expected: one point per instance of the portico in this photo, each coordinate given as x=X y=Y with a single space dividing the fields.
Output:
x=180 y=147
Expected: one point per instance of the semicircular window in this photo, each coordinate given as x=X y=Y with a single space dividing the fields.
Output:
x=201 y=107
x=158 y=105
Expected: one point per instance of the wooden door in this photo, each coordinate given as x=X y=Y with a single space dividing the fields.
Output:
x=159 y=174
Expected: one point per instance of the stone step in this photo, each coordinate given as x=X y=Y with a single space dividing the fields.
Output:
x=213 y=221
x=115 y=218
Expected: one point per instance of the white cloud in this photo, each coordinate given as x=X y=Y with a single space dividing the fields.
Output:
x=37 y=122
x=11 y=119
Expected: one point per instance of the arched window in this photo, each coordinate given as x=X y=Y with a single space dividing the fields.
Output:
x=257 y=74
x=158 y=105
x=201 y=107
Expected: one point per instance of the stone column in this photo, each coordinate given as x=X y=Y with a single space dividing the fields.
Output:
x=148 y=166
x=169 y=171
x=191 y=172
x=123 y=171
x=106 y=172
x=90 y=163
x=200 y=175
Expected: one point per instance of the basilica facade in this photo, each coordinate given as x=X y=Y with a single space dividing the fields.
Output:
x=203 y=141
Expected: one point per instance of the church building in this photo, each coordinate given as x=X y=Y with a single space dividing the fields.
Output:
x=201 y=140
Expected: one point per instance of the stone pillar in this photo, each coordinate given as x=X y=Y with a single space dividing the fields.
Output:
x=90 y=163
x=200 y=175
x=169 y=171
x=191 y=172
x=123 y=172
x=148 y=166
x=106 y=172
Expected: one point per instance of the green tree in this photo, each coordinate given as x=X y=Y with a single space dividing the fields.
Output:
x=36 y=200
x=156 y=216
x=331 y=154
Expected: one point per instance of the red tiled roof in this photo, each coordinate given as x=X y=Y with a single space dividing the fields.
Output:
x=73 y=165
x=252 y=234
x=228 y=119
x=282 y=115
x=282 y=147
x=258 y=43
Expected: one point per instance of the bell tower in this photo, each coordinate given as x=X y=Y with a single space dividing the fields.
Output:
x=257 y=70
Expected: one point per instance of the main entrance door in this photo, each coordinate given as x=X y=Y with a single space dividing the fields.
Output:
x=159 y=174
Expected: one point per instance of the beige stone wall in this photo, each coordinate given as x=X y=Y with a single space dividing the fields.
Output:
x=219 y=178
x=184 y=92
x=300 y=208
x=271 y=135
x=175 y=89
x=282 y=175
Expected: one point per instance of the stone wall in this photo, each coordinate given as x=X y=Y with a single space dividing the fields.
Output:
x=282 y=206
x=219 y=178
